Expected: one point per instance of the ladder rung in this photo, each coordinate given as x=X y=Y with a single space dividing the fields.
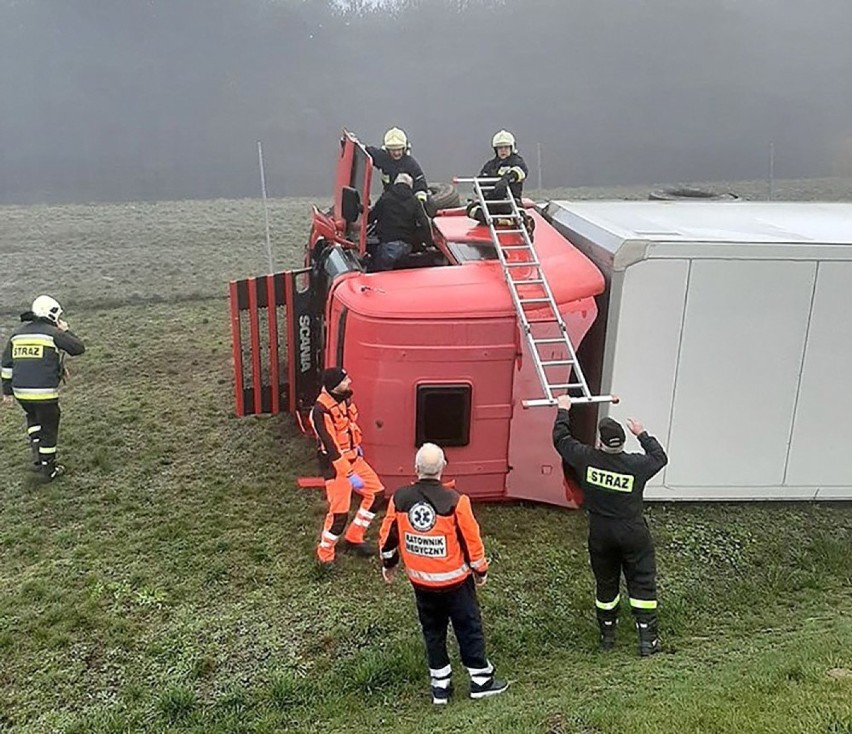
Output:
x=548 y=340
x=533 y=300
x=531 y=281
x=515 y=247
x=564 y=385
x=553 y=362
x=525 y=264
x=510 y=231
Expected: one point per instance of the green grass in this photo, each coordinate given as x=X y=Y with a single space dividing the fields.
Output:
x=167 y=583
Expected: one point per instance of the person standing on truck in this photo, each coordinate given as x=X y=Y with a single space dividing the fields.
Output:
x=613 y=482
x=509 y=166
x=393 y=158
x=431 y=528
x=32 y=366
x=334 y=419
x=401 y=225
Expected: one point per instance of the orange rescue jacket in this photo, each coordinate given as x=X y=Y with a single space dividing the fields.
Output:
x=434 y=531
x=335 y=422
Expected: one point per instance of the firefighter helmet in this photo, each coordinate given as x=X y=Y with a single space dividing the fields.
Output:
x=396 y=139
x=45 y=307
x=503 y=138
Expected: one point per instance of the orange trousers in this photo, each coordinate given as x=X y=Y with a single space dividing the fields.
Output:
x=338 y=492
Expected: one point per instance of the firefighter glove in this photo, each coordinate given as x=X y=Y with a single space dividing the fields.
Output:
x=500 y=188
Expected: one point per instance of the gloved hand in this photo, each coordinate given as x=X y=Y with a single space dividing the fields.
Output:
x=355 y=481
x=500 y=188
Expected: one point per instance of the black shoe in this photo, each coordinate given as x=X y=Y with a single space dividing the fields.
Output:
x=442 y=696
x=35 y=466
x=493 y=688
x=365 y=550
x=649 y=640
x=607 y=627
x=52 y=471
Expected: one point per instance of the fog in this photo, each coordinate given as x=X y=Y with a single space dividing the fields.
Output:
x=166 y=99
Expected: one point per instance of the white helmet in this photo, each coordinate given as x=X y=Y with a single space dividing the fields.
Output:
x=504 y=137
x=395 y=139
x=45 y=307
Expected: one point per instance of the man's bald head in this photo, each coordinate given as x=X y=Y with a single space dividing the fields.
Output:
x=429 y=462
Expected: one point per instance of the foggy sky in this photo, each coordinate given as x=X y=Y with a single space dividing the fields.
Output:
x=165 y=99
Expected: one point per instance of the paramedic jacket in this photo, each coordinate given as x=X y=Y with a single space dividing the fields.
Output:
x=32 y=361
x=612 y=484
x=434 y=531
x=335 y=421
x=513 y=167
x=391 y=168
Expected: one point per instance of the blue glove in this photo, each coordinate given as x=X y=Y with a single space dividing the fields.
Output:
x=356 y=481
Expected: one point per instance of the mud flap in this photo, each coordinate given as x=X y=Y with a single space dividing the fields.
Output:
x=274 y=330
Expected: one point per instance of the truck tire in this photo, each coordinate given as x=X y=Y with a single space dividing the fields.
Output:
x=686 y=193
x=444 y=196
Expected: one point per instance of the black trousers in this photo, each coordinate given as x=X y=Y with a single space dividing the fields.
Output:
x=43 y=427
x=459 y=606
x=623 y=546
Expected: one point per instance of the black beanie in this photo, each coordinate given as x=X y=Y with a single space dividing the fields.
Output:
x=612 y=434
x=332 y=377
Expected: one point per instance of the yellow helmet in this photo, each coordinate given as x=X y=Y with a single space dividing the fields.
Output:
x=395 y=139
x=504 y=137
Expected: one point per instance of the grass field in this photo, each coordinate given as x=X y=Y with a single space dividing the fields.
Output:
x=167 y=583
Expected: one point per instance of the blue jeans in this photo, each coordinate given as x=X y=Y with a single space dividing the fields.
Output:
x=388 y=255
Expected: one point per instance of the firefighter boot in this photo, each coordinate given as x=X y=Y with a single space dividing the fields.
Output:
x=50 y=470
x=649 y=639
x=529 y=223
x=607 y=627
x=36 y=457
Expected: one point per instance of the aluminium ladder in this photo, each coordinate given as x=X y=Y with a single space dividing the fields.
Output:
x=540 y=330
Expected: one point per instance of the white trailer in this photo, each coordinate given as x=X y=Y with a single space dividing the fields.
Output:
x=726 y=328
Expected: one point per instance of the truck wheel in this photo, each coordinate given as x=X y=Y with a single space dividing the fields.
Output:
x=444 y=196
x=690 y=194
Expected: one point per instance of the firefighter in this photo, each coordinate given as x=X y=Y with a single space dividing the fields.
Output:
x=401 y=224
x=32 y=368
x=433 y=530
x=393 y=158
x=334 y=418
x=619 y=540
x=507 y=165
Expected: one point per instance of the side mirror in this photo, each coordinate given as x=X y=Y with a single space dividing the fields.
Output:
x=350 y=204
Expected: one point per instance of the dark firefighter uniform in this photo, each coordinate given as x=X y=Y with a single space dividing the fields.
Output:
x=401 y=225
x=433 y=531
x=335 y=421
x=613 y=482
x=391 y=168
x=512 y=172
x=32 y=368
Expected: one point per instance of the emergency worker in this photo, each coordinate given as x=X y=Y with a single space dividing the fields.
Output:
x=334 y=418
x=509 y=166
x=613 y=482
x=401 y=225
x=433 y=530
x=31 y=369
x=393 y=158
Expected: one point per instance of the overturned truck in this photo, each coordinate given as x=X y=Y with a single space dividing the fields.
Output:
x=712 y=320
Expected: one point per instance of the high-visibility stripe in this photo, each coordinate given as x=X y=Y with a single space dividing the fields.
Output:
x=519 y=171
x=6 y=373
x=33 y=429
x=389 y=554
x=643 y=603
x=481 y=676
x=366 y=515
x=36 y=393
x=33 y=340
x=361 y=523
x=437 y=578
x=608 y=605
x=441 y=672
x=477 y=564
x=47 y=449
